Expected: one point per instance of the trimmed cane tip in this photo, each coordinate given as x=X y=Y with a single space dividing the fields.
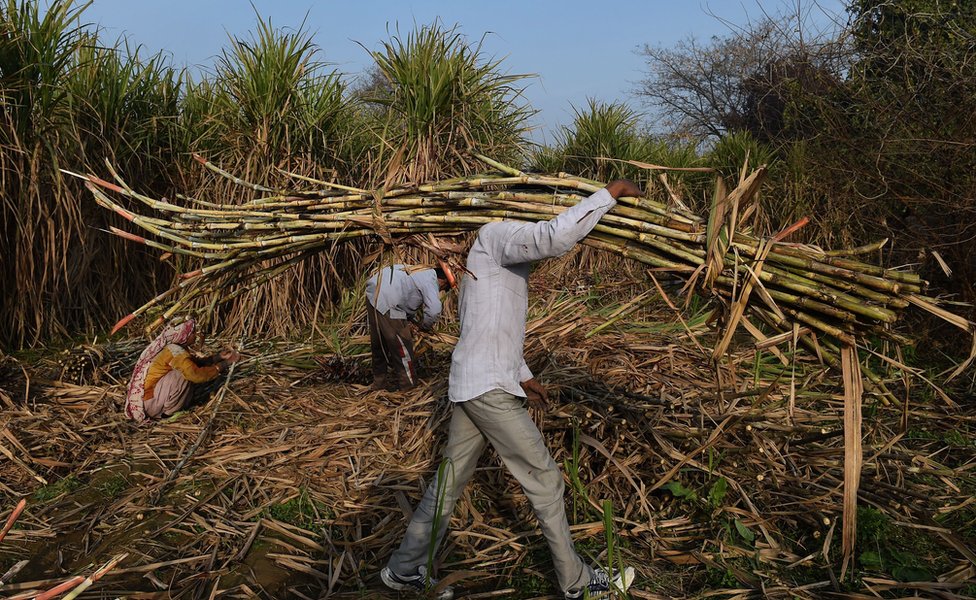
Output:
x=448 y=273
x=105 y=184
x=13 y=517
x=122 y=323
x=126 y=235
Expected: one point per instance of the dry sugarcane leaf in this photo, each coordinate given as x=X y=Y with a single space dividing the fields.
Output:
x=853 y=456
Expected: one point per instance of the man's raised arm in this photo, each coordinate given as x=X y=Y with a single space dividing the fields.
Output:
x=535 y=241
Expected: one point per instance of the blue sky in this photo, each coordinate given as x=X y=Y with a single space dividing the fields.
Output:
x=578 y=50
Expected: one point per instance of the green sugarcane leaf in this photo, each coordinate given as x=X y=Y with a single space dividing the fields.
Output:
x=744 y=531
x=680 y=491
x=911 y=573
x=717 y=493
x=870 y=560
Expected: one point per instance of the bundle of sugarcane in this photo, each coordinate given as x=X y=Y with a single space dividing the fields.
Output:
x=90 y=364
x=791 y=288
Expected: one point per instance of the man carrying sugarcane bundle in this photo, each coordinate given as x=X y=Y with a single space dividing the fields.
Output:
x=490 y=385
x=397 y=297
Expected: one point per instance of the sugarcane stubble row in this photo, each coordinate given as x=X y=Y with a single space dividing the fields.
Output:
x=783 y=285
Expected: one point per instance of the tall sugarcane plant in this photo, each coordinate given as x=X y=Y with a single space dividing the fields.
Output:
x=830 y=297
x=269 y=109
x=440 y=95
x=66 y=96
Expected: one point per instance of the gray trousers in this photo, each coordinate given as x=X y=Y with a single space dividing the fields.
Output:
x=501 y=419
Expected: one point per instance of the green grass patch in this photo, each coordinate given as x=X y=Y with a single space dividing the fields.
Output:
x=114 y=486
x=904 y=554
x=62 y=486
x=717 y=578
x=301 y=511
x=959 y=439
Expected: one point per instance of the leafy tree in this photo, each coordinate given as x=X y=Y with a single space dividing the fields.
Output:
x=874 y=121
x=747 y=81
x=914 y=63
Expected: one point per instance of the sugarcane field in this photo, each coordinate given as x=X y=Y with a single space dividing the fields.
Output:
x=286 y=325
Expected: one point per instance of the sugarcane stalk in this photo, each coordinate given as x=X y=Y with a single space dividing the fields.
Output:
x=843 y=264
x=800 y=301
x=629 y=250
x=787 y=256
x=827 y=292
x=91 y=579
x=845 y=285
x=497 y=165
x=818 y=324
x=865 y=249
x=328 y=184
x=14 y=515
x=824 y=293
x=59 y=589
x=153 y=244
x=214 y=168
x=687 y=255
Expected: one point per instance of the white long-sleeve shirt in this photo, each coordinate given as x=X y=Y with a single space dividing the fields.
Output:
x=401 y=294
x=493 y=303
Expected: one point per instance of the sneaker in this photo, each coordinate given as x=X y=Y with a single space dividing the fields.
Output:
x=601 y=584
x=419 y=583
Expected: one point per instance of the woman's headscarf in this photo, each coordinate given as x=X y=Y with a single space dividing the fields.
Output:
x=173 y=334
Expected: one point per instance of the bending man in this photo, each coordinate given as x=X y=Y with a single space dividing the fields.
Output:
x=394 y=295
x=490 y=385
